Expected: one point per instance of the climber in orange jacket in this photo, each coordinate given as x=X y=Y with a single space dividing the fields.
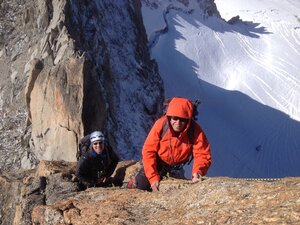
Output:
x=169 y=145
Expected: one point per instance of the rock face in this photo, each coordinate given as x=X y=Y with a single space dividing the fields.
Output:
x=47 y=195
x=56 y=114
x=72 y=67
x=13 y=112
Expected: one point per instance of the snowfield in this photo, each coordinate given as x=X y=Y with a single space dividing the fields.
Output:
x=246 y=74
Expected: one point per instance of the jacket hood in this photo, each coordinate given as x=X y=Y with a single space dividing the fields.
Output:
x=180 y=107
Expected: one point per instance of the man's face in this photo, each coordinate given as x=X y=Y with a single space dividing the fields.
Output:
x=98 y=146
x=178 y=124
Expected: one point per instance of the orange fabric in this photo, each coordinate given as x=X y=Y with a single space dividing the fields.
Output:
x=180 y=107
x=174 y=149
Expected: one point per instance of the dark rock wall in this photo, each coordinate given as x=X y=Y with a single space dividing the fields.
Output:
x=113 y=39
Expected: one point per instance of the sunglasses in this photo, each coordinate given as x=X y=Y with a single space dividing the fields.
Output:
x=98 y=143
x=175 y=118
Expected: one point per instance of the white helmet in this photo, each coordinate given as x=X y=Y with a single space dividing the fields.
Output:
x=96 y=136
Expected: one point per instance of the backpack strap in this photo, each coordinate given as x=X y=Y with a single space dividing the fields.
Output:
x=164 y=129
x=191 y=132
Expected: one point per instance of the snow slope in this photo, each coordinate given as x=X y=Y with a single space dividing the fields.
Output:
x=246 y=74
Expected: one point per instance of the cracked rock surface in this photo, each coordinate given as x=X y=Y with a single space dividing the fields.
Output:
x=48 y=195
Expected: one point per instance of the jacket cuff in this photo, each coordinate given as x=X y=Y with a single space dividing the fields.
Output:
x=199 y=172
x=154 y=179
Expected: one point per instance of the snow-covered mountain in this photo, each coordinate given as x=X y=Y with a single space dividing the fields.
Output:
x=245 y=72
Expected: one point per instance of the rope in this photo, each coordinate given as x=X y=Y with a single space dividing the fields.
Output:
x=259 y=179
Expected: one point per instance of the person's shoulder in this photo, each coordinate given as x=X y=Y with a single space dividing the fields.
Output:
x=159 y=124
x=196 y=127
x=194 y=123
x=161 y=121
x=88 y=154
x=110 y=150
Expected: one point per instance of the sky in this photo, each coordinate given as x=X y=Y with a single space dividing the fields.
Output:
x=245 y=73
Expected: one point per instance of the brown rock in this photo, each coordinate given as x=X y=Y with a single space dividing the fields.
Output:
x=46 y=168
x=213 y=201
x=53 y=199
x=56 y=106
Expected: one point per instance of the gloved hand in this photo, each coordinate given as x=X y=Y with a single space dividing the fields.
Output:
x=155 y=186
x=196 y=177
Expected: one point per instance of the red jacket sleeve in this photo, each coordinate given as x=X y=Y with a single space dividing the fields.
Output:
x=201 y=152
x=150 y=150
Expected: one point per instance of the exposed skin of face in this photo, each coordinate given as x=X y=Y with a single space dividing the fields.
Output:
x=98 y=147
x=178 y=124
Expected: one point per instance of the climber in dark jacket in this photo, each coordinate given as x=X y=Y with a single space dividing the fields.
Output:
x=96 y=166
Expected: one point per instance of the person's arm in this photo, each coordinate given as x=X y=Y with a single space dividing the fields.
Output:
x=149 y=153
x=82 y=171
x=114 y=158
x=202 y=155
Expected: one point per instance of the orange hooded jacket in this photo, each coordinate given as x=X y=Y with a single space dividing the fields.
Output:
x=174 y=149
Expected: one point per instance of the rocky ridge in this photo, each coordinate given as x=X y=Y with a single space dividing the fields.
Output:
x=48 y=195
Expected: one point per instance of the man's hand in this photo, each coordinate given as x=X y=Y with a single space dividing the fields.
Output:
x=196 y=178
x=155 y=186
